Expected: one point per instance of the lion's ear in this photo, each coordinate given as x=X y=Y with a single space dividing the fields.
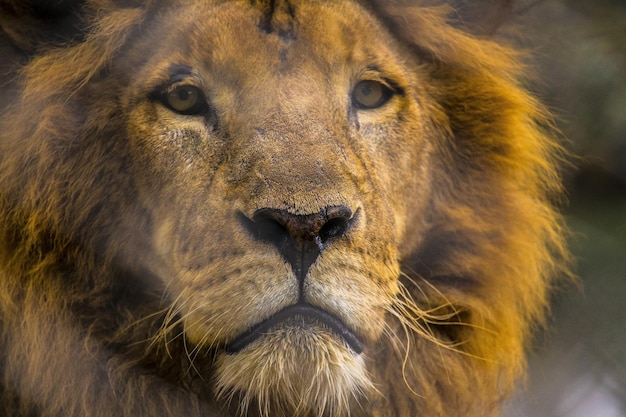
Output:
x=30 y=24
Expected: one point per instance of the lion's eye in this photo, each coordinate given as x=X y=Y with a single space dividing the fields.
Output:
x=370 y=94
x=185 y=99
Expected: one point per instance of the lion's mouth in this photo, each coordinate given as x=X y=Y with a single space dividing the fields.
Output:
x=305 y=313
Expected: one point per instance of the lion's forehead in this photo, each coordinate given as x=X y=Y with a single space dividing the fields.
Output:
x=241 y=45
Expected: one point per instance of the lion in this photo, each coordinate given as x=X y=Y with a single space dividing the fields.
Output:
x=269 y=208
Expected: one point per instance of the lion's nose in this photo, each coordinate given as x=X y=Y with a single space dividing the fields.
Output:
x=319 y=228
x=300 y=238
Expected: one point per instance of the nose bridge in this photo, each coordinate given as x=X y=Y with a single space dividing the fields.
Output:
x=294 y=164
x=300 y=152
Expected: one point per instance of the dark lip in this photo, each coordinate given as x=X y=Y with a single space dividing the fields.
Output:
x=302 y=310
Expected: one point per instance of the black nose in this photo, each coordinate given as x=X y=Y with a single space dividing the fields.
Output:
x=300 y=238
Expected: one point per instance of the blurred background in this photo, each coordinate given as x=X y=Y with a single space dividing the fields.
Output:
x=578 y=365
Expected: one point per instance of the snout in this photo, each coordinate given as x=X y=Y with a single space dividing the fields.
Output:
x=300 y=239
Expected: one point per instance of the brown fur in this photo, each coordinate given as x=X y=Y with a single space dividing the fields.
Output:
x=125 y=269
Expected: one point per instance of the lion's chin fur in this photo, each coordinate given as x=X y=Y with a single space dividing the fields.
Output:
x=294 y=371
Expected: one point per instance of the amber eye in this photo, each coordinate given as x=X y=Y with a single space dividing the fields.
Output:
x=370 y=94
x=185 y=99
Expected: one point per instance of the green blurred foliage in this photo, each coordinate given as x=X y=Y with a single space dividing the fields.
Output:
x=578 y=48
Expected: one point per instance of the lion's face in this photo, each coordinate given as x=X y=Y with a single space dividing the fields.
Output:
x=272 y=158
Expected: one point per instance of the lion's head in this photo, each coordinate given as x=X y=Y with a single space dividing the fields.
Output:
x=298 y=208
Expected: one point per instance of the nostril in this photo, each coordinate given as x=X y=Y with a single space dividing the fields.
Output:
x=333 y=228
x=264 y=227
x=270 y=230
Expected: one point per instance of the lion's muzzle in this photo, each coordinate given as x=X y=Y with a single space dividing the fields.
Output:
x=300 y=239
